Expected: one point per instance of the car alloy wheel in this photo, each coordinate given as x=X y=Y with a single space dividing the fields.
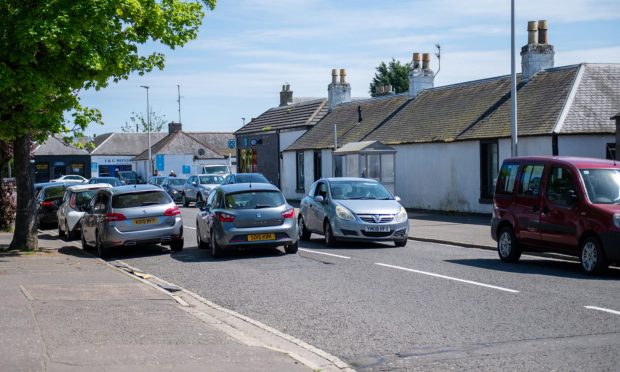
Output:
x=592 y=257
x=508 y=248
x=84 y=245
x=216 y=250
x=184 y=201
x=330 y=239
x=102 y=252
x=303 y=232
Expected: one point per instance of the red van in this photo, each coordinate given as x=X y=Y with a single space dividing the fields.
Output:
x=567 y=205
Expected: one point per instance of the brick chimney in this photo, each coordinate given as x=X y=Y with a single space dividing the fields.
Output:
x=421 y=76
x=617 y=118
x=286 y=95
x=174 y=127
x=338 y=91
x=537 y=54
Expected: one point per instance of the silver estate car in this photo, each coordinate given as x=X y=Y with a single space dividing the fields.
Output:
x=130 y=215
x=344 y=208
x=247 y=215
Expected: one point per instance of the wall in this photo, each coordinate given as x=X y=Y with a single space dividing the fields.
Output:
x=287 y=138
x=57 y=165
x=107 y=164
x=592 y=146
x=289 y=176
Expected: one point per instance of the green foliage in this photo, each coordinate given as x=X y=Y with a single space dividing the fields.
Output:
x=394 y=73
x=7 y=206
x=52 y=49
x=140 y=124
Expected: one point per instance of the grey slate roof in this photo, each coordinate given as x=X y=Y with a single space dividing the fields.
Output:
x=56 y=146
x=215 y=141
x=297 y=115
x=565 y=100
x=180 y=143
x=126 y=144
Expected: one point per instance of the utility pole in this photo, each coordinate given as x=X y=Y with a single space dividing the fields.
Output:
x=179 y=100
x=514 y=151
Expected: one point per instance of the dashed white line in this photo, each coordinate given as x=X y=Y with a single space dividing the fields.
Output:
x=603 y=309
x=448 y=277
x=189 y=227
x=327 y=254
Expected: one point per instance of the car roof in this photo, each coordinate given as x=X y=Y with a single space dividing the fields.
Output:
x=337 y=179
x=237 y=187
x=128 y=189
x=578 y=162
x=89 y=187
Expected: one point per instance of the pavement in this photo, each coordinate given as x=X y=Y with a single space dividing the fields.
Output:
x=64 y=309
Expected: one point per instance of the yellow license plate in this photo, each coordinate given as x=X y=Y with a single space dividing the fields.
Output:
x=145 y=221
x=257 y=237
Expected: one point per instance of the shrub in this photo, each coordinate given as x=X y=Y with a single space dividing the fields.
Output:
x=7 y=207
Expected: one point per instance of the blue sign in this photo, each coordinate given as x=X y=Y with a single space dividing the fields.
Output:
x=94 y=167
x=232 y=143
x=187 y=169
x=159 y=162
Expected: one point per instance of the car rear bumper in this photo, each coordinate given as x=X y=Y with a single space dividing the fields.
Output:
x=235 y=236
x=356 y=231
x=112 y=237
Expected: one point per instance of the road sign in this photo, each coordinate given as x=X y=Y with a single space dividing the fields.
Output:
x=232 y=143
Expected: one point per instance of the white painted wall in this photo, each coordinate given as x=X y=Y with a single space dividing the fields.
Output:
x=288 y=176
x=287 y=138
x=592 y=146
x=326 y=163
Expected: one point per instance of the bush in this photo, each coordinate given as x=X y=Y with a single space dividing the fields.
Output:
x=7 y=206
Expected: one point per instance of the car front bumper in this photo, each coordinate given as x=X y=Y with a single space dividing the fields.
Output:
x=611 y=245
x=356 y=230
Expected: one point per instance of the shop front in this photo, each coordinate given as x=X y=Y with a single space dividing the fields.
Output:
x=109 y=166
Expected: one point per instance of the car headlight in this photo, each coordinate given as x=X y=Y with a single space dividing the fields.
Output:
x=402 y=215
x=344 y=214
x=174 y=191
x=617 y=220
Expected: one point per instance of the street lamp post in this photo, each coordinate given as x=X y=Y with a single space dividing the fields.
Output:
x=149 y=168
x=513 y=82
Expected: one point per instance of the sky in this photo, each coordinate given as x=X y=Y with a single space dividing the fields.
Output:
x=247 y=49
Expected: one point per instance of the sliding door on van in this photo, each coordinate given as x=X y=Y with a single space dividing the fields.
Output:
x=560 y=212
x=527 y=204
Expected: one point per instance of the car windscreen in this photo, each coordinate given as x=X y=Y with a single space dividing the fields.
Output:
x=84 y=197
x=251 y=177
x=177 y=181
x=53 y=192
x=602 y=185
x=349 y=190
x=128 y=175
x=111 y=180
x=206 y=180
x=140 y=199
x=216 y=169
x=157 y=180
x=254 y=200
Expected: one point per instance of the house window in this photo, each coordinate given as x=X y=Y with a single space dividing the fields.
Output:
x=488 y=168
x=300 y=172
x=338 y=165
x=317 y=165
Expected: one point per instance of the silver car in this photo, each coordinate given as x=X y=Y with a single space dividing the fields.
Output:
x=198 y=187
x=128 y=215
x=354 y=209
x=72 y=209
x=246 y=215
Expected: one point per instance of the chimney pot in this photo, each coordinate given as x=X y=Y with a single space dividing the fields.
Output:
x=174 y=127
x=426 y=59
x=542 y=32
x=532 y=32
x=334 y=76
x=343 y=74
x=416 y=60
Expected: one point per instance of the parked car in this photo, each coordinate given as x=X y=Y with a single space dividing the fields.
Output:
x=69 y=178
x=109 y=180
x=220 y=169
x=567 y=205
x=353 y=209
x=198 y=187
x=245 y=178
x=48 y=199
x=156 y=180
x=174 y=187
x=244 y=215
x=129 y=177
x=72 y=208
x=126 y=216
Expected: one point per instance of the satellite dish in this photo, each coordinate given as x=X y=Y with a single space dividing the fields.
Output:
x=201 y=152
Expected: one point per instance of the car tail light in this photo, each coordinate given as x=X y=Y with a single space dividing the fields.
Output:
x=225 y=217
x=174 y=211
x=113 y=217
x=289 y=213
x=72 y=201
x=47 y=204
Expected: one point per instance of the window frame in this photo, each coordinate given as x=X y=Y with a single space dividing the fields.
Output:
x=487 y=180
x=299 y=172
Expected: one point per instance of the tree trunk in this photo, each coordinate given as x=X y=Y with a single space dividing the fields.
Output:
x=25 y=236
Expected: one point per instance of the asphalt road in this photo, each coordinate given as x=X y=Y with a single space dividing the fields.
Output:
x=421 y=307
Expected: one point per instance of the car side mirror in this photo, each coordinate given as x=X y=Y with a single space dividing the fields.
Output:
x=397 y=198
x=193 y=183
x=319 y=199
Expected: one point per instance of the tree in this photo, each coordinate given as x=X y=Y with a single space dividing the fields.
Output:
x=140 y=124
x=394 y=73
x=51 y=50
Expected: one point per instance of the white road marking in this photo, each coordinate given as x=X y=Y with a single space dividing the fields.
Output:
x=603 y=309
x=448 y=277
x=327 y=254
x=188 y=227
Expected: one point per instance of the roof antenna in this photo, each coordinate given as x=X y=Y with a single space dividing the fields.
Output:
x=438 y=55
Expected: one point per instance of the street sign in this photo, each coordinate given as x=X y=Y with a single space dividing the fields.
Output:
x=232 y=143
x=159 y=162
x=187 y=169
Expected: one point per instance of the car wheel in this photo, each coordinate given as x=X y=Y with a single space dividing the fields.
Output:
x=177 y=245
x=216 y=250
x=199 y=242
x=84 y=245
x=184 y=201
x=102 y=252
x=592 y=257
x=303 y=232
x=292 y=248
x=400 y=243
x=70 y=234
x=60 y=232
x=330 y=239
x=508 y=247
